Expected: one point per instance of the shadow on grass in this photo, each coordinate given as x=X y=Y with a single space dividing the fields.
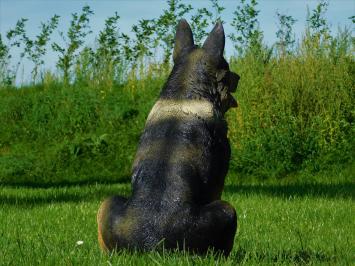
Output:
x=30 y=195
x=33 y=196
x=343 y=190
x=58 y=184
x=297 y=257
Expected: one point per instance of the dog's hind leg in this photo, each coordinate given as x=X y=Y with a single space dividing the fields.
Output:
x=109 y=209
x=215 y=228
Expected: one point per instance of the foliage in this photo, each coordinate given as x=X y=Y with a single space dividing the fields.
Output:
x=108 y=55
x=143 y=44
x=36 y=49
x=217 y=11
x=296 y=107
x=166 y=24
x=286 y=40
x=5 y=77
x=78 y=30
x=199 y=23
x=246 y=23
x=108 y=41
x=316 y=21
x=53 y=133
x=15 y=37
x=295 y=112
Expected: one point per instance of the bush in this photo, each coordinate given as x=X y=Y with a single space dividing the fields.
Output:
x=83 y=123
x=70 y=134
x=295 y=112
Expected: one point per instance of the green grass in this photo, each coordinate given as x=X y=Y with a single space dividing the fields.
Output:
x=304 y=219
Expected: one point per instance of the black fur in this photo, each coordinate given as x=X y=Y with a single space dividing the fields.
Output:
x=181 y=162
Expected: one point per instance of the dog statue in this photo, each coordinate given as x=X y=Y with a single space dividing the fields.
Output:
x=181 y=161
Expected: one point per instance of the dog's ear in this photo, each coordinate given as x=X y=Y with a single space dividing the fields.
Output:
x=215 y=41
x=183 y=38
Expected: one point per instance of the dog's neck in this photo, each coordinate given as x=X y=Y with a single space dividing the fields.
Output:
x=165 y=109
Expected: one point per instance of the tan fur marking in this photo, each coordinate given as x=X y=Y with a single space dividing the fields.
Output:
x=100 y=226
x=177 y=154
x=165 y=109
x=101 y=241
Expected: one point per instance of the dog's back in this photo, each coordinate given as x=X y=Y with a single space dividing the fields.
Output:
x=181 y=162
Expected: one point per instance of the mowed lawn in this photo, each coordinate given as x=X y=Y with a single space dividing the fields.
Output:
x=288 y=222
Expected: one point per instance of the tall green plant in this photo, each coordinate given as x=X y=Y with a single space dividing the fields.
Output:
x=317 y=22
x=18 y=34
x=245 y=22
x=87 y=72
x=199 y=23
x=4 y=63
x=166 y=25
x=342 y=46
x=318 y=37
x=108 y=54
x=108 y=40
x=74 y=39
x=217 y=11
x=203 y=18
x=36 y=49
x=143 y=43
x=286 y=38
x=15 y=39
x=127 y=47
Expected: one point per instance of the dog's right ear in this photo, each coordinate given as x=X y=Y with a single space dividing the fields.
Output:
x=183 y=38
x=215 y=41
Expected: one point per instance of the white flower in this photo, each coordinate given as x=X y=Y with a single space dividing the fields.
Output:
x=79 y=242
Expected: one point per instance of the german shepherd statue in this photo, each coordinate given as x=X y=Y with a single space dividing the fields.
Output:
x=181 y=161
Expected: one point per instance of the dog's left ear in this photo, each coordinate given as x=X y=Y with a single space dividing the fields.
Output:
x=183 y=38
x=215 y=41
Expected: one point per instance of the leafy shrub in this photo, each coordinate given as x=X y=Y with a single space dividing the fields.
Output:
x=83 y=123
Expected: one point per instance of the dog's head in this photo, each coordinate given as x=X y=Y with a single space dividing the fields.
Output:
x=202 y=72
